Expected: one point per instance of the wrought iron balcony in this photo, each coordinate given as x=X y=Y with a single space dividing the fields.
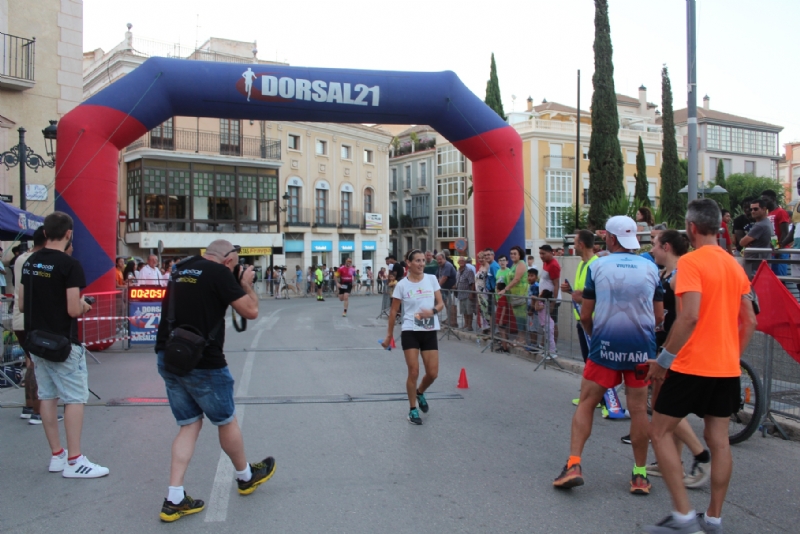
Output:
x=188 y=140
x=17 y=60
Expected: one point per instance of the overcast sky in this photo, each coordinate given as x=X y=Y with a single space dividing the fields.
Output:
x=746 y=57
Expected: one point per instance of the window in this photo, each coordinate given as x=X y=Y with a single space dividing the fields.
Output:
x=631 y=156
x=449 y=160
x=726 y=166
x=368 y=156
x=555 y=156
x=407 y=182
x=322 y=147
x=393 y=185
x=347 y=199
x=394 y=209
x=347 y=152
x=409 y=244
x=320 y=206
x=712 y=168
x=728 y=139
x=586 y=153
x=163 y=136
x=630 y=187
x=749 y=167
x=134 y=194
x=650 y=158
x=294 y=142
x=423 y=176
x=421 y=211
x=450 y=191
x=407 y=203
x=423 y=244
x=451 y=223
x=651 y=194
x=230 y=137
x=585 y=190
x=558 y=198
x=293 y=213
x=368 y=200
x=155 y=193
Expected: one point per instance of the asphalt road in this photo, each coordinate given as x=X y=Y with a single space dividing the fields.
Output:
x=480 y=463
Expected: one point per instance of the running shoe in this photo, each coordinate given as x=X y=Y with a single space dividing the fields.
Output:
x=706 y=526
x=413 y=417
x=653 y=470
x=422 y=402
x=604 y=412
x=640 y=485
x=344 y=314
x=670 y=525
x=58 y=463
x=569 y=477
x=699 y=475
x=83 y=468
x=626 y=439
x=172 y=512
x=261 y=472
x=36 y=419
x=27 y=412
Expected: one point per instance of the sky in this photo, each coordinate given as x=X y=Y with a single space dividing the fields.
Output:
x=744 y=50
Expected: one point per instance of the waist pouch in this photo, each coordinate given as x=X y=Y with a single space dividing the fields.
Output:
x=183 y=350
x=51 y=347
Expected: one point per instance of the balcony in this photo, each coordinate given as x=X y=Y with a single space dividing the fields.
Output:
x=350 y=219
x=17 y=62
x=325 y=218
x=568 y=127
x=187 y=140
x=298 y=217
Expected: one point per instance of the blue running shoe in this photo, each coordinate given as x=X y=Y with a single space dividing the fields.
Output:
x=413 y=417
x=422 y=403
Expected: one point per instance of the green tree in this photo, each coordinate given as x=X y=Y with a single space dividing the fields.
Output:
x=723 y=199
x=683 y=166
x=606 y=173
x=673 y=206
x=493 y=99
x=641 y=177
x=719 y=179
x=742 y=186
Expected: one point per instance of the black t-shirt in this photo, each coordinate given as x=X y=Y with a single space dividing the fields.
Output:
x=203 y=291
x=46 y=276
x=399 y=272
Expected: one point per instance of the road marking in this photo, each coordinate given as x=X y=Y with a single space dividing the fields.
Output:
x=221 y=490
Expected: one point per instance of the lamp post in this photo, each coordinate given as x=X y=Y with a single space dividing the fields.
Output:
x=23 y=156
x=283 y=209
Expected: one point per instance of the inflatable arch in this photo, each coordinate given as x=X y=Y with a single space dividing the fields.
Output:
x=91 y=136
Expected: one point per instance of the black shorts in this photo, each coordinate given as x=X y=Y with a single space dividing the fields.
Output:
x=422 y=340
x=318 y=284
x=682 y=394
x=345 y=288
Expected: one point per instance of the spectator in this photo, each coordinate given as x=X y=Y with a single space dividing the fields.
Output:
x=447 y=281
x=15 y=251
x=52 y=304
x=549 y=278
x=465 y=285
x=431 y=267
x=780 y=222
x=470 y=266
x=298 y=279
x=530 y=262
x=480 y=287
x=516 y=288
x=119 y=271
x=759 y=236
x=558 y=252
x=368 y=279
x=742 y=223
x=644 y=219
x=381 y=279
x=130 y=271
x=150 y=273
x=656 y=230
x=399 y=272
x=726 y=234
x=584 y=247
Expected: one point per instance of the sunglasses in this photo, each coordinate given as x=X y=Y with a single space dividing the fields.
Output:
x=755 y=209
x=236 y=249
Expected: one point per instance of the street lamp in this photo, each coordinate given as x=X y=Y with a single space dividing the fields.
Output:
x=283 y=209
x=23 y=153
x=704 y=190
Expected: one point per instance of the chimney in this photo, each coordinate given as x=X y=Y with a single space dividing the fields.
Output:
x=530 y=103
x=642 y=99
x=706 y=102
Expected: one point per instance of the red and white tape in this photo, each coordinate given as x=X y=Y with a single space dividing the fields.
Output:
x=115 y=339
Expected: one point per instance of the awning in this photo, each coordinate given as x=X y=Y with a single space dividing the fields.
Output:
x=15 y=223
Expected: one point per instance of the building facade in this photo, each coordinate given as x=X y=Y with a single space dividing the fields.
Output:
x=789 y=171
x=40 y=81
x=289 y=193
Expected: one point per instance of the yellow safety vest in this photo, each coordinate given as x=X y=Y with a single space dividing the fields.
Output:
x=580 y=279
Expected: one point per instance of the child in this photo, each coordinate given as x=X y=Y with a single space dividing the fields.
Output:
x=392 y=282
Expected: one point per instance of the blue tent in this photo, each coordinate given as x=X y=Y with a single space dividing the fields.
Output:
x=15 y=223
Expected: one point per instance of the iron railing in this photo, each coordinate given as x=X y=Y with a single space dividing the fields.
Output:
x=18 y=57
x=185 y=139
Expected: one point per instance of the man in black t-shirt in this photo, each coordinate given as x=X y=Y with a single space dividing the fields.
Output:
x=49 y=296
x=447 y=281
x=742 y=223
x=397 y=268
x=204 y=288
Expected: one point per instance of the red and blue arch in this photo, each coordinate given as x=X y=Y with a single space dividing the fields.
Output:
x=91 y=136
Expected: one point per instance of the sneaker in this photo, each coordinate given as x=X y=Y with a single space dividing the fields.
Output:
x=626 y=439
x=27 y=412
x=640 y=485
x=699 y=475
x=413 y=417
x=575 y=402
x=569 y=478
x=422 y=402
x=653 y=470
x=669 y=525
x=604 y=412
x=172 y=512
x=706 y=526
x=58 y=463
x=36 y=419
x=83 y=468
x=262 y=471
x=344 y=314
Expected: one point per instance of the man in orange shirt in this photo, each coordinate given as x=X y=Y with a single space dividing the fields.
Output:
x=714 y=324
x=118 y=272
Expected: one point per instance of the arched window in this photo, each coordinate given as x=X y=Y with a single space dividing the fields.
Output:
x=294 y=188
x=368 y=196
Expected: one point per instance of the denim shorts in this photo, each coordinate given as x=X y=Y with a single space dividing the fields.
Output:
x=67 y=380
x=202 y=391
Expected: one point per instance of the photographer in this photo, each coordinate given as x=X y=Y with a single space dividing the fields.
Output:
x=50 y=299
x=201 y=384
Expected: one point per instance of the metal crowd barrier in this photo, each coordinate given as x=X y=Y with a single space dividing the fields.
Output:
x=13 y=355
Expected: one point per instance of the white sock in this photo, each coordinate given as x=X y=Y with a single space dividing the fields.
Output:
x=176 y=494
x=713 y=520
x=244 y=475
x=75 y=461
x=62 y=455
x=680 y=518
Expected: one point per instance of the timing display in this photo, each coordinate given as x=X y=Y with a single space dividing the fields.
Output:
x=147 y=294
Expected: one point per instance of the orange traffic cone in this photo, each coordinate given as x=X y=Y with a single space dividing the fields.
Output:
x=462 y=380
x=392 y=344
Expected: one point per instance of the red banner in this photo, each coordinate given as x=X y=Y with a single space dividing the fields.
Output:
x=780 y=311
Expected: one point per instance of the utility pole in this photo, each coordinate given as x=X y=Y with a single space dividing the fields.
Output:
x=691 y=52
x=578 y=156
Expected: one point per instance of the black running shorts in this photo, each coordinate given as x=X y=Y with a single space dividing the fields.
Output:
x=345 y=288
x=683 y=394
x=422 y=340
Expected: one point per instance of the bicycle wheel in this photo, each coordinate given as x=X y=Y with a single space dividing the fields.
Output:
x=745 y=421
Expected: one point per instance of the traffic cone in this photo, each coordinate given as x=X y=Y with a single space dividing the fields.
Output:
x=462 y=380
x=392 y=344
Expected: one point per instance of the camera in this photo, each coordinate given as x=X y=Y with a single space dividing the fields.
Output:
x=90 y=300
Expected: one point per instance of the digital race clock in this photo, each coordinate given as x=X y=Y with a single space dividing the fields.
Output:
x=147 y=294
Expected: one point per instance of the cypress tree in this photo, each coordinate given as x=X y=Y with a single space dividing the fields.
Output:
x=673 y=206
x=606 y=173
x=641 y=176
x=493 y=99
x=719 y=179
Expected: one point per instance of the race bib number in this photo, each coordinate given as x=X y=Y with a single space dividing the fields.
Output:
x=423 y=324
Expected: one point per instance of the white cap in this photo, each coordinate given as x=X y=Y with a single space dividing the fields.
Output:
x=624 y=228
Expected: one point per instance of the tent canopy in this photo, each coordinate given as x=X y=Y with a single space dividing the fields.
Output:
x=16 y=223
